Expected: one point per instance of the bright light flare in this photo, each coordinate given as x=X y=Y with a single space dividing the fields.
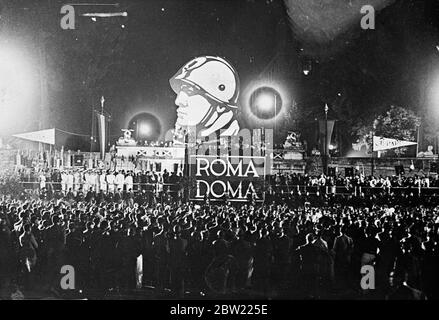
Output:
x=145 y=129
x=265 y=102
x=433 y=94
x=258 y=118
x=18 y=86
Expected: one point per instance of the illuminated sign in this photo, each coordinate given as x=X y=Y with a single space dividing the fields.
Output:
x=231 y=177
x=207 y=91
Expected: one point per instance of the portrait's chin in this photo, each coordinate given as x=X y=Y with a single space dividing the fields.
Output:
x=181 y=122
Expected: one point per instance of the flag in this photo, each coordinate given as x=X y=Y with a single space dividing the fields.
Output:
x=322 y=129
x=381 y=143
x=102 y=127
x=43 y=136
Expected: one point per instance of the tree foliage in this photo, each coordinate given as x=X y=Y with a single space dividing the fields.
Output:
x=395 y=123
x=10 y=184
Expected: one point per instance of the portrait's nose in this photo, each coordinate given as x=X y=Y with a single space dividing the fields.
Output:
x=181 y=99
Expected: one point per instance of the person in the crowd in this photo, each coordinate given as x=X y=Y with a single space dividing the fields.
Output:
x=120 y=181
x=388 y=250
x=70 y=181
x=92 y=182
x=263 y=261
x=78 y=181
x=64 y=182
x=400 y=290
x=55 y=239
x=309 y=267
x=243 y=251
x=178 y=261
x=220 y=274
x=281 y=250
x=28 y=248
x=160 y=254
x=86 y=180
x=110 y=181
x=73 y=245
x=103 y=181
x=129 y=182
x=42 y=178
x=342 y=251
x=130 y=249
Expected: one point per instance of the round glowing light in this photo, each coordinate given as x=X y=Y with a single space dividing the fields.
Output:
x=146 y=126
x=265 y=102
x=284 y=98
x=145 y=129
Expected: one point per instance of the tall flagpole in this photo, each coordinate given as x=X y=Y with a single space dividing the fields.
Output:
x=326 y=141
x=102 y=134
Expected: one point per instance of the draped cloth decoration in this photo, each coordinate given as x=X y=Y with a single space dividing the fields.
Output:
x=322 y=135
x=102 y=127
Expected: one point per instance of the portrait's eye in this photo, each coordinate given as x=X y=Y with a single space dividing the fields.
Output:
x=222 y=87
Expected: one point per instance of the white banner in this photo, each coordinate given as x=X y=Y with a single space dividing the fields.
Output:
x=44 y=136
x=102 y=125
x=380 y=143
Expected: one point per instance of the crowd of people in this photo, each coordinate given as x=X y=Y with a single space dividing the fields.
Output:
x=315 y=250
x=304 y=242
x=75 y=179
x=79 y=182
x=151 y=187
x=360 y=180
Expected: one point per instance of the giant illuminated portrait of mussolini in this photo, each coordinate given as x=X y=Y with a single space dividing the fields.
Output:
x=207 y=91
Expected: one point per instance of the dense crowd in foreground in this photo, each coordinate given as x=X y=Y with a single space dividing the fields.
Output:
x=266 y=250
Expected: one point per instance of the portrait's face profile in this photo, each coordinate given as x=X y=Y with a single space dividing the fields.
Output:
x=207 y=90
x=192 y=107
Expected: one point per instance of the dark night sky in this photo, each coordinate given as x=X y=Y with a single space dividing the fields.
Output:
x=370 y=68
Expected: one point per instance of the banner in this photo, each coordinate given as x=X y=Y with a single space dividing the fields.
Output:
x=322 y=136
x=380 y=143
x=102 y=127
x=151 y=152
x=229 y=177
x=44 y=136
